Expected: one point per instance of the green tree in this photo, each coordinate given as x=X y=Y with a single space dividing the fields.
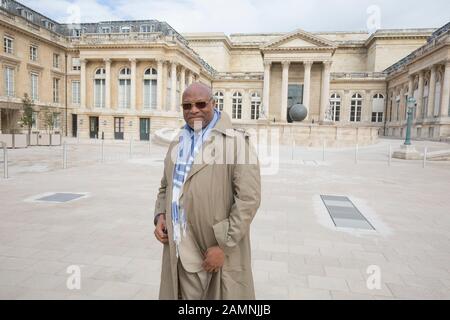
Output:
x=27 y=115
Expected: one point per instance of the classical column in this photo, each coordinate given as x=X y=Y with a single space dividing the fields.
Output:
x=165 y=96
x=445 y=91
x=159 y=85
x=431 y=92
x=307 y=86
x=400 y=106
x=173 y=87
x=410 y=94
x=420 y=95
x=284 y=90
x=133 y=84
x=191 y=77
x=324 y=100
x=366 y=111
x=83 y=80
x=182 y=81
x=107 y=82
x=266 y=89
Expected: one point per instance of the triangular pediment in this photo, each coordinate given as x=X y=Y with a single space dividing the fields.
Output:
x=299 y=39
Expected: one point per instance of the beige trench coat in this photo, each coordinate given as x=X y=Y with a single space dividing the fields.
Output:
x=224 y=198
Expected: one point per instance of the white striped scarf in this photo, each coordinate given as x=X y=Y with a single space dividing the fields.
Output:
x=188 y=147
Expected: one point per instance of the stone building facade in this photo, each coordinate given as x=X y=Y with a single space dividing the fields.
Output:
x=124 y=79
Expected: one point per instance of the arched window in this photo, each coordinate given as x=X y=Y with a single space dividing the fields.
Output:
x=356 y=108
x=150 y=85
x=377 y=108
x=99 y=88
x=437 y=95
x=218 y=96
x=236 y=112
x=255 y=105
x=125 y=88
x=335 y=103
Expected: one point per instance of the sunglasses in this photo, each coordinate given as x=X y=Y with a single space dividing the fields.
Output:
x=198 y=104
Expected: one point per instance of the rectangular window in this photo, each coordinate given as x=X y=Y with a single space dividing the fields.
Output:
x=125 y=29
x=99 y=93
x=76 y=95
x=8 y=45
x=76 y=66
x=377 y=116
x=9 y=82
x=106 y=30
x=56 y=120
x=150 y=94
x=29 y=15
x=124 y=93
x=34 y=86
x=118 y=127
x=55 y=90
x=33 y=53
x=145 y=28
x=76 y=33
x=55 y=60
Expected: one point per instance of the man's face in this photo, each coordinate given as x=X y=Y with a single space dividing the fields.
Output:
x=198 y=107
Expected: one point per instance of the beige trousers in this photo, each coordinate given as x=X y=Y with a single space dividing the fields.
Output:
x=192 y=286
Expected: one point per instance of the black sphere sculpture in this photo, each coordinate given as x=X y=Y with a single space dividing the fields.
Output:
x=298 y=112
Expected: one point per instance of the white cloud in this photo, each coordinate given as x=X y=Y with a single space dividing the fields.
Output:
x=233 y=16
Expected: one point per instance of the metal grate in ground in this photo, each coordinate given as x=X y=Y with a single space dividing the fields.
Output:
x=344 y=213
x=61 y=197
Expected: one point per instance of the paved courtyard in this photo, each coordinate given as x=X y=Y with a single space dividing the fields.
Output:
x=298 y=253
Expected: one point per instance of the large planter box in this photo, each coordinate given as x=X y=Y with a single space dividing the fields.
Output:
x=14 y=141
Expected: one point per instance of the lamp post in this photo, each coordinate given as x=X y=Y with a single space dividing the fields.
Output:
x=411 y=105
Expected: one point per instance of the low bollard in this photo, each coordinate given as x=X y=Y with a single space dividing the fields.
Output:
x=131 y=147
x=425 y=152
x=323 y=151
x=389 y=155
x=64 y=155
x=103 y=151
x=293 y=148
x=5 y=160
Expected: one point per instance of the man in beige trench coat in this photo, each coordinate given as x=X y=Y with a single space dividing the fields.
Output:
x=220 y=196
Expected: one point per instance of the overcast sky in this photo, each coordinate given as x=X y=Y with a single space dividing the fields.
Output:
x=250 y=16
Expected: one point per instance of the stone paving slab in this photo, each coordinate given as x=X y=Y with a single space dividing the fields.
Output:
x=298 y=253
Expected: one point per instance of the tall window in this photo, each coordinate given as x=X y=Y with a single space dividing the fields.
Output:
x=255 y=105
x=335 y=103
x=150 y=85
x=124 y=88
x=55 y=90
x=56 y=120
x=377 y=108
x=236 y=112
x=355 y=108
x=219 y=100
x=437 y=96
x=178 y=91
x=33 y=53
x=99 y=88
x=426 y=92
x=8 y=45
x=76 y=66
x=76 y=94
x=168 y=86
x=397 y=107
x=9 y=82
x=34 y=86
x=55 y=60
